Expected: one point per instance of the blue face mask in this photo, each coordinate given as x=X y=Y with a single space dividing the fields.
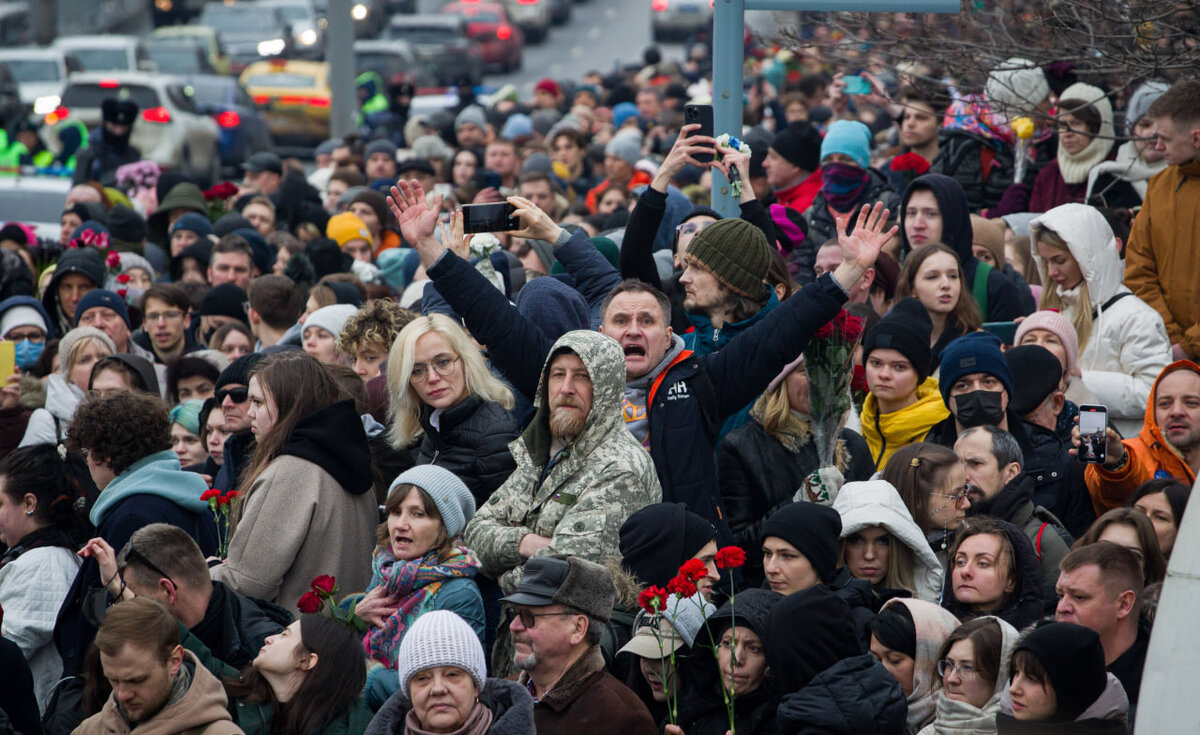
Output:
x=28 y=353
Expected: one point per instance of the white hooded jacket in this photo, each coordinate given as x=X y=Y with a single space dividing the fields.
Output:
x=1128 y=346
x=876 y=503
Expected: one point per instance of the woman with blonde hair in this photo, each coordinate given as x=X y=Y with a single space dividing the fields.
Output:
x=443 y=394
x=78 y=352
x=1123 y=344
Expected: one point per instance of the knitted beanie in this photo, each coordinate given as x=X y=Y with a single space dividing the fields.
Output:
x=347 y=226
x=187 y=415
x=1036 y=374
x=101 y=297
x=905 y=329
x=1074 y=662
x=989 y=233
x=238 y=372
x=1140 y=101
x=72 y=337
x=440 y=638
x=621 y=112
x=850 y=138
x=226 y=299
x=380 y=145
x=736 y=253
x=454 y=501
x=813 y=529
x=330 y=318
x=1017 y=86
x=1058 y=325
x=517 y=125
x=977 y=352
x=23 y=316
x=625 y=145
x=471 y=115
x=800 y=145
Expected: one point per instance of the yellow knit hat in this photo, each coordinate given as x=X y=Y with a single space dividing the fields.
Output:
x=347 y=226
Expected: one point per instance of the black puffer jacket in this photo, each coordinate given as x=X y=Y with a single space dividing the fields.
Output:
x=855 y=696
x=472 y=442
x=510 y=703
x=821 y=225
x=1024 y=604
x=759 y=474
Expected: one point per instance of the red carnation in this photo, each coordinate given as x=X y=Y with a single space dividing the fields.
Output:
x=208 y=495
x=324 y=584
x=652 y=599
x=681 y=586
x=730 y=557
x=693 y=570
x=122 y=292
x=113 y=260
x=123 y=278
x=232 y=495
x=309 y=603
x=910 y=162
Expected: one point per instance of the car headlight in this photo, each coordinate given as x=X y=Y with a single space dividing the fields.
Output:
x=273 y=47
x=46 y=105
x=359 y=11
x=308 y=37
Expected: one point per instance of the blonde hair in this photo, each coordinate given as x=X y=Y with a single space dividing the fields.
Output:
x=901 y=563
x=406 y=405
x=77 y=350
x=1081 y=319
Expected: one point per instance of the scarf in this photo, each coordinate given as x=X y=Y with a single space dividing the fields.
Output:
x=954 y=716
x=479 y=719
x=1074 y=167
x=412 y=582
x=47 y=536
x=973 y=114
x=842 y=184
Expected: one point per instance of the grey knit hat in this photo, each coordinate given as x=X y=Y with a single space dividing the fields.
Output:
x=657 y=636
x=1140 y=101
x=472 y=114
x=440 y=638
x=330 y=318
x=454 y=501
x=72 y=337
x=626 y=146
x=574 y=582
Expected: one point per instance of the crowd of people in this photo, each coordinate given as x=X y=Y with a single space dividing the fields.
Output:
x=299 y=455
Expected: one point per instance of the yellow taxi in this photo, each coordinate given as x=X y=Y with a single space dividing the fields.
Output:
x=293 y=96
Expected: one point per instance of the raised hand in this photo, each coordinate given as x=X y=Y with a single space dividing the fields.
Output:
x=862 y=245
x=417 y=219
x=680 y=155
x=535 y=223
x=453 y=237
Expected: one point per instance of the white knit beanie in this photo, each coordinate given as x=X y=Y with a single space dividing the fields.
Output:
x=440 y=638
x=331 y=318
x=454 y=501
x=1017 y=86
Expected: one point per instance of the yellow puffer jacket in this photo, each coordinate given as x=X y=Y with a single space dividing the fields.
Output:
x=886 y=433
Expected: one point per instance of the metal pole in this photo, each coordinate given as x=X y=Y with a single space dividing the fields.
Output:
x=859 y=6
x=339 y=52
x=729 y=27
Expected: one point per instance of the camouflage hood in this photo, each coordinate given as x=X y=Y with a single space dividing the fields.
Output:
x=605 y=364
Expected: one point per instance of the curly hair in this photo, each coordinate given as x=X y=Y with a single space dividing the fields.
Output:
x=377 y=323
x=120 y=429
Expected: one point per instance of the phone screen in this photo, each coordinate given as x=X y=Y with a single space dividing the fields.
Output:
x=1092 y=444
x=496 y=217
x=856 y=85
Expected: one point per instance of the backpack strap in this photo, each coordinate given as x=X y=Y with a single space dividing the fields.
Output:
x=1105 y=306
x=1038 y=545
x=979 y=288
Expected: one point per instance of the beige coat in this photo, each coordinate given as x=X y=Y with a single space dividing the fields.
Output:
x=298 y=523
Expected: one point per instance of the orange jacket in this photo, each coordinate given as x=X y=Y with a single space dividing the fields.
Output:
x=1148 y=452
x=640 y=178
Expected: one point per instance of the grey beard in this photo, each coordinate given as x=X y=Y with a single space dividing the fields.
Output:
x=527 y=663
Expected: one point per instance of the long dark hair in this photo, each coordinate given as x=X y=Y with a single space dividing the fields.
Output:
x=1154 y=564
x=328 y=690
x=1176 y=492
x=40 y=470
x=966 y=314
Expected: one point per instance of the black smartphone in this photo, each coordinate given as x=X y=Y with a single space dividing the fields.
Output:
x=1093 y=446
x=1006 y=331
x=490 y=180
x=701 y=115
x=495 y=217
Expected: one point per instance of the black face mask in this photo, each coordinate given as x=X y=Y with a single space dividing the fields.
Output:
x=979 y=408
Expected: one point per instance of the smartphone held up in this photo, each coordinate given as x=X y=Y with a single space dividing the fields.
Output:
x=495 y=217
x=1093 y=445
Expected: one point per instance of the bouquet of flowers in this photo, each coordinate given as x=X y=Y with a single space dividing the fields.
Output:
x=139 y=180
x=319 y=600
x=911 y=165
x=829 y=360
x=735 y=179
x=220 y=503
x=218 y=197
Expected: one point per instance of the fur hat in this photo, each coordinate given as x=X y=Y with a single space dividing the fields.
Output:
x=574 y=582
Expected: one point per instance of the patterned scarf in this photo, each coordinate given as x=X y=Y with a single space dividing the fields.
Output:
x=411 y=582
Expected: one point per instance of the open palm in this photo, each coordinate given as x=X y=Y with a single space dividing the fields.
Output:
x=863 y=243
x=416 y=218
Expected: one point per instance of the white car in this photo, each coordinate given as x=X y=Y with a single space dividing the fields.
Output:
x=170 y=130
x=107 y=52
x=34 y=200
x=40 y=74
x=532 y=15
x=674 y=19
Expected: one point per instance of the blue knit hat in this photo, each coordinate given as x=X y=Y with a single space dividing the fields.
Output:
x=193 y=222
x=187 y=415
x=101 y=297
x=454 y=501
x=850 y=138
x=622 y=111
x=977 y=352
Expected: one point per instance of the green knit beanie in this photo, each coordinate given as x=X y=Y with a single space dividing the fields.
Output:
x=737 y=253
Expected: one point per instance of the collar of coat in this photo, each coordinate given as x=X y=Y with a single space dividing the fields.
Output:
x=573 y=681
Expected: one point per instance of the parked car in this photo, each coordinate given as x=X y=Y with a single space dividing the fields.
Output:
x=442 y=43
x=34 y=200
x=179 y=56
x=203 y=36
x=532 y=15
x=170 y=129
x=293 y=96
x=107 y=52
x=243 y=127
x=500 y=42
x=394 y=61
x=249 y=32
x=305 y=24
x=672 y=19
x=40 y=74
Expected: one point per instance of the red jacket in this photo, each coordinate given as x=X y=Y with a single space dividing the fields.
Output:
x=800 y=196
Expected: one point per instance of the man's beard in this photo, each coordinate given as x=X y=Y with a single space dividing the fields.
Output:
x=565 y=423
x=526 y=663
x=980 y=505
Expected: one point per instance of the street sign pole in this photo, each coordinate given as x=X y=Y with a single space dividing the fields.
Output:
x=339 y=52
x=729 y=28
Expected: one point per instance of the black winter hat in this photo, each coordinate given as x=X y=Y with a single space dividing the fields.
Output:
x=754 y=608
x=657 y=539
x=809 y=631
x=126 y=228
x=800 y=145
x=813 y=529
x=345 y=293
x=226 y=299
x=144 y=370
x=118 y=112
x=327 y=257
x=1036 y=374
x=238 y=372
x=1074 y=661
x=264 y=256
x=905 y=329
x=230 y=222
x=85 y=261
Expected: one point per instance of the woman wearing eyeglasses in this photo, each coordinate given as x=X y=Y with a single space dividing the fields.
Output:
x=307 y=506
x=973 y=665
x=1130 y=528
x=39 y=526
x=994 y=570
x=420 y=564
x=932 y=483
x=443 y=394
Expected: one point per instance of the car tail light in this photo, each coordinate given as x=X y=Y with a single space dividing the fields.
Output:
x=504 y=33
x=156 y=115
x=229 y=119
x=108 y=83
x=262 y=99
x=318 y=101
x=659 y=5
x=58 y=114
x=527 y=2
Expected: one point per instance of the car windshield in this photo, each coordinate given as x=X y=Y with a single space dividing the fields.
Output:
x=93 y=95
x=290 y=81
x=182 y=59
x=239 y=18
x=102 y=59
x=33 y=70
x=425 y=34
x=29 y=205
x=477 y=16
